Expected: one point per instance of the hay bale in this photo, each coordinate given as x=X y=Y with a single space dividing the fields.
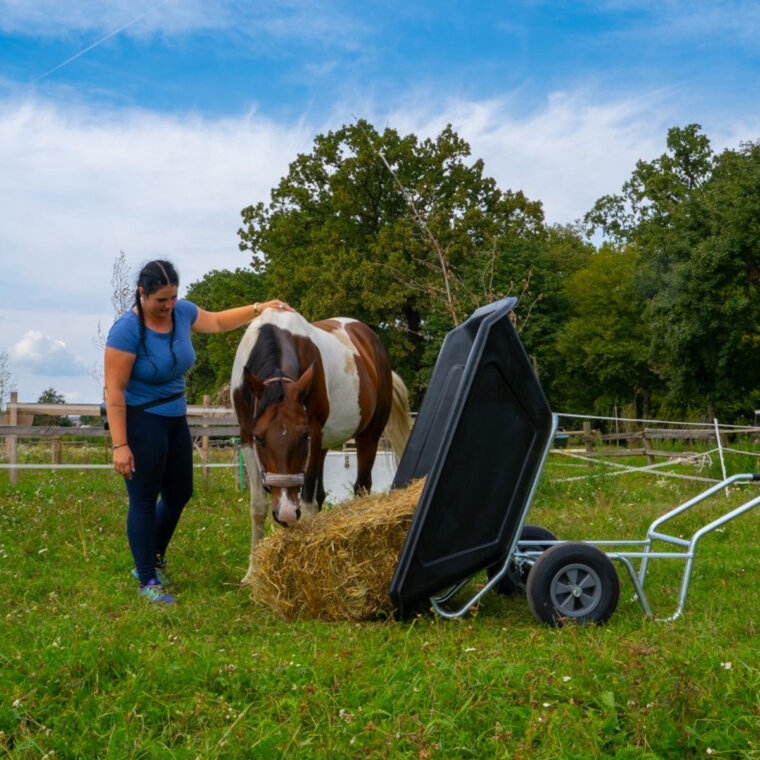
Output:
x=338 y=564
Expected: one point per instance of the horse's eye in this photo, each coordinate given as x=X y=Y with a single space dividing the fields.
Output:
x=306 y=437
x=258 y=440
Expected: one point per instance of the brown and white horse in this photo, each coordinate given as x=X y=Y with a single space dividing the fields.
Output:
x=301 y=388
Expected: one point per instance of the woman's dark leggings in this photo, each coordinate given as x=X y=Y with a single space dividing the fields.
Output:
x=161 y=485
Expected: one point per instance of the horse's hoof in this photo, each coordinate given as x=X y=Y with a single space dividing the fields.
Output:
x=248 y=579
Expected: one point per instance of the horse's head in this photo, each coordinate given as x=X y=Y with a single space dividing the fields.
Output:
x=281 y=439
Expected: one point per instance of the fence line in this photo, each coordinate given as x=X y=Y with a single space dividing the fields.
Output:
x=737 y=428
x=84 y=466
x=206 y=423
x=209 y=423
x=624 y=469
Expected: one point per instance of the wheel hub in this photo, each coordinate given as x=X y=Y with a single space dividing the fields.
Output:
x=575 y=590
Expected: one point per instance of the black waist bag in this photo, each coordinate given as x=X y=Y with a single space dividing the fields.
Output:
x=140 y=407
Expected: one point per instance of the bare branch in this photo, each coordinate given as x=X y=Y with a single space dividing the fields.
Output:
x=423 y=225
x=122 y=298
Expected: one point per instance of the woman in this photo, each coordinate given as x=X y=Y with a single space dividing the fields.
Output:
x=147 y=354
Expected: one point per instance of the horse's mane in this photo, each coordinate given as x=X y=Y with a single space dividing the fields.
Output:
x=265 y=362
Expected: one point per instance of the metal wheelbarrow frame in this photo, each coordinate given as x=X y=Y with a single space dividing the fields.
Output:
x=582 y=599
x=481 y=438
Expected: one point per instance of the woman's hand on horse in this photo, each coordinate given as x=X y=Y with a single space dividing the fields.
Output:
x=275 y=303
x=229 y=319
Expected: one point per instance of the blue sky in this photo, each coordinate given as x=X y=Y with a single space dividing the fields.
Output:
x=146 y=126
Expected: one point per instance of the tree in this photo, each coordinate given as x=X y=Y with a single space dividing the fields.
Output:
x=644 y=211
x=562 y=253
x=692 y=217
x=706 y=312
x=218 y=290
x=605 y=345
x=51 y=396
x=404 y=234
x=122 y=298
x=6 y=380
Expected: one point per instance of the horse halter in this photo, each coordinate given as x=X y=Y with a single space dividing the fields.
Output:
x=280 y=479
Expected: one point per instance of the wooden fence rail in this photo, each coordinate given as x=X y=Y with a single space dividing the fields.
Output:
x=205 y=422
x=209 y=423
x=601 y=445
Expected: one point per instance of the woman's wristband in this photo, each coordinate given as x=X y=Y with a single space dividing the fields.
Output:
x=118 y=446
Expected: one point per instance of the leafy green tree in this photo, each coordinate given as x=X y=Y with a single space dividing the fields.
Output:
x=51 y=396
x=705 y=315
x=653 y=198
x=218 y=290
x=605 y=345
x=407 y=235
x=692 y=217
x=562 y=252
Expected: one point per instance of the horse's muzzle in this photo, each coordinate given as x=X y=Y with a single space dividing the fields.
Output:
x=285 y=523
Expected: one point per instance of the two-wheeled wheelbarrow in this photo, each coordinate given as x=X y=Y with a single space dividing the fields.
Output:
x=481 y=438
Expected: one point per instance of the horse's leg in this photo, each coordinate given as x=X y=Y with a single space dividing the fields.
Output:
x=258 y=505
x=321 y=481
x=366 y=450
x=313 y=493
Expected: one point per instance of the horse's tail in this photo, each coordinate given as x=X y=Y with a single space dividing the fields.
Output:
x=400 y=421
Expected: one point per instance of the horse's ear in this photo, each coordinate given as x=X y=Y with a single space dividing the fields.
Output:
x=303 y=384
x=253 y=382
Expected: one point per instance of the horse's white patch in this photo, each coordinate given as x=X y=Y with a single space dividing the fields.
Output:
x=341 y=374
x=287 y=320
x=341 y=334
x=342 y=377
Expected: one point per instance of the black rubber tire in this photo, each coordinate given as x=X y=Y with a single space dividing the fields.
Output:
x=515 y=578
x=573 y=583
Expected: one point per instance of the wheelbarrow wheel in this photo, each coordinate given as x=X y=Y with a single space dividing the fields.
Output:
x=573 y=583
x=516 y=576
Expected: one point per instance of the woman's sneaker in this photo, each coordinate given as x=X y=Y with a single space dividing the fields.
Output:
x=153 y=591
x=161 y=575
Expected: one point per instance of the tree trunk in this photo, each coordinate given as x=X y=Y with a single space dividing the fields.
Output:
x=646 y=403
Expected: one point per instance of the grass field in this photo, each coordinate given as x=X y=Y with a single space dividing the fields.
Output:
x=87 y=670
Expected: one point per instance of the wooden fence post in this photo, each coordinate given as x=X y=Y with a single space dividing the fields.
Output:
x=55 y=450
x=11 y=440
x=647 y=448
x=204 y=444
x=588 y=438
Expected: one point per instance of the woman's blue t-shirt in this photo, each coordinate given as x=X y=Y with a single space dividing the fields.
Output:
x=156 y=374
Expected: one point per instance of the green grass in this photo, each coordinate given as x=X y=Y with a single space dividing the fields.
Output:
x=87 y=670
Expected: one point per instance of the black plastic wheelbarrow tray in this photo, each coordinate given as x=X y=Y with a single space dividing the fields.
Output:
x=481 y=438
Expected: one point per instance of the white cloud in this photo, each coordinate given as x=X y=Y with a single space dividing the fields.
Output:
x=46 y=356
x=345 y=25
x=573 y=149
x=674 y=20
x=56 y=19
x=306 y=20
x=80 y=184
